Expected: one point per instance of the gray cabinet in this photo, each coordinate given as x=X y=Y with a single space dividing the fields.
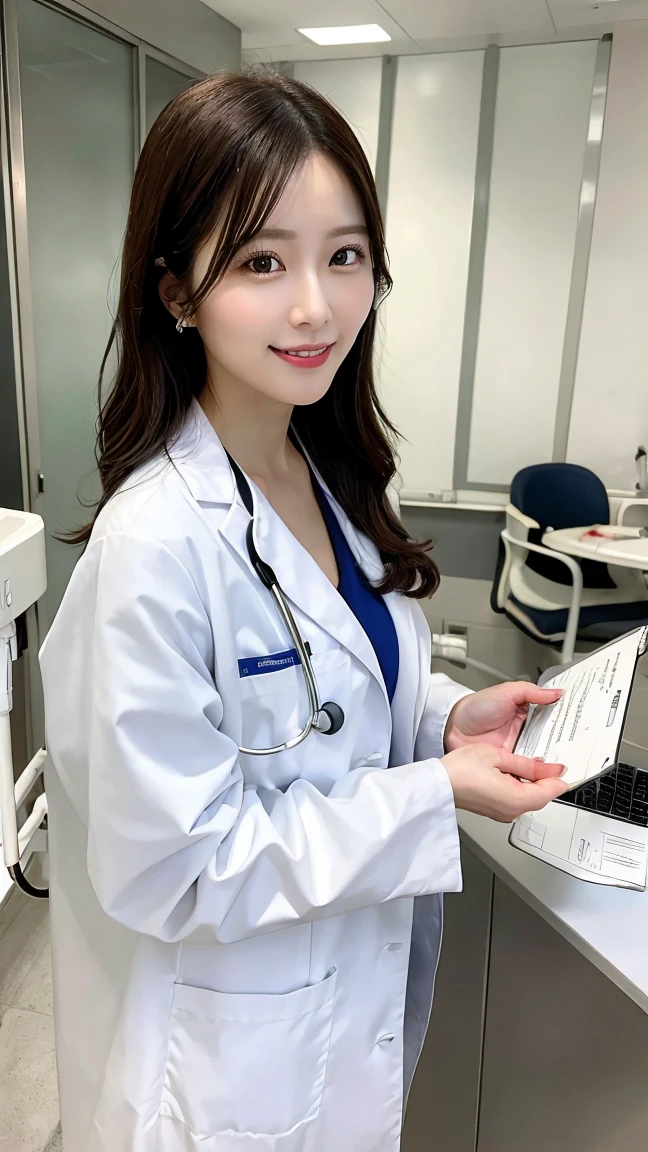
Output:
x=530 y=1047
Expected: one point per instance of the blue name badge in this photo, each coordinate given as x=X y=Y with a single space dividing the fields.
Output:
x=259 y=665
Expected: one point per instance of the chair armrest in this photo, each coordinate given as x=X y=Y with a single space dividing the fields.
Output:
x=525 y=546
x=515 y=514
x=627 y=506
x=573 y=614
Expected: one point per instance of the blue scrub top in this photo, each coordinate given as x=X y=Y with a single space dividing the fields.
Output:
x=365 y=602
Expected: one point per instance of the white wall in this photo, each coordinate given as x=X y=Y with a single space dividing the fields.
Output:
x=544 y=95
x=610 y=411
x=429 y=215
x=354 y=87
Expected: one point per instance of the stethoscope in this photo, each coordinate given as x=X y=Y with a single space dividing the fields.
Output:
x=326 y=718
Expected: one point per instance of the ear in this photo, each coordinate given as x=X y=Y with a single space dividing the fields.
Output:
x=169 y=290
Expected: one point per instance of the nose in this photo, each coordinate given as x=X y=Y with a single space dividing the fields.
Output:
x=310 y=305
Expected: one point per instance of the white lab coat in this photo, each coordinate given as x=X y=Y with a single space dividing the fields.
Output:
x=232 y=936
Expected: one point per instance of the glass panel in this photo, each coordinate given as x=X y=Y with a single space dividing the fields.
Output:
x=162 y=84
x=429 y=216
x=542 y=116
x=78 y=121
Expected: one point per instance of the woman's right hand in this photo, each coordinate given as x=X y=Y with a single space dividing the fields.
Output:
x=499 y=784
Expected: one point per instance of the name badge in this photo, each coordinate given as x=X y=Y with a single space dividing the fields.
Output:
x=260 y=665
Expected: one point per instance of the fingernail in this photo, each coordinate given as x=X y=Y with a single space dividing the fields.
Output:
x=539 y=759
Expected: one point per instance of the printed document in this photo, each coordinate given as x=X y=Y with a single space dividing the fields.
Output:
x=583 y=730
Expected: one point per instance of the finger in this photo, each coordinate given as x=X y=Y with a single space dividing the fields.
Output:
x=545 y=771
x=524 y=767
x=540 y=793
x=531 y=694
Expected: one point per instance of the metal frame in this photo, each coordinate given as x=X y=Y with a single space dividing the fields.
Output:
x=582 y=245
x=140 y=89
x=476 y=262
x=385 y=124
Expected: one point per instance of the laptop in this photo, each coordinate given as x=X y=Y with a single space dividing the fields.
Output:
x=621 y=793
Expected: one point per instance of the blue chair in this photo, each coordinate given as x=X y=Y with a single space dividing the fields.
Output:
x=555 y=598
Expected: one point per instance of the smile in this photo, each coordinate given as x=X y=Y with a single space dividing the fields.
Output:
x=304 y=357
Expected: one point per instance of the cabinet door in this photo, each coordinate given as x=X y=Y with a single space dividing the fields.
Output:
x=443 y=1102
x=565 y=1051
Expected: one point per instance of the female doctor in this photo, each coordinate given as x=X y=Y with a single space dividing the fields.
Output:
x=252 y=776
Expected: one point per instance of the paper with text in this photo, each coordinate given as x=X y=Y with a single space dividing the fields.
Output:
x=585 y=844
x=583 y=730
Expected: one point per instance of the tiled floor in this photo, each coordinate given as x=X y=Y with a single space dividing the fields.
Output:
x=28 y=1095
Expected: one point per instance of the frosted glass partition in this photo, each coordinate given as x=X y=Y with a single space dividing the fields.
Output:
x=542 y=114
x=429 y=216
x=162 y=84
x=354 y=87
x=78 y=124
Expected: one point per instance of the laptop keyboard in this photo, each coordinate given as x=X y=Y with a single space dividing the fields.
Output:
x=621 y=793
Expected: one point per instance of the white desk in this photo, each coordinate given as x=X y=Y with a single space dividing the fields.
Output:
x=609 y=926
x=630 y=553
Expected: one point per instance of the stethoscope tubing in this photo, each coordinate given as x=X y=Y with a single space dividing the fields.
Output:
x=309 y=676
x=326 y=719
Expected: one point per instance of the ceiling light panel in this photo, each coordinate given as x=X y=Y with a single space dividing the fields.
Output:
x=347 y=34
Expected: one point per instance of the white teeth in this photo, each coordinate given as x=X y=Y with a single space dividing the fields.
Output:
x=315 y=352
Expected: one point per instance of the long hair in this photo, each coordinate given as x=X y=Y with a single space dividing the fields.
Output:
x=215 y=165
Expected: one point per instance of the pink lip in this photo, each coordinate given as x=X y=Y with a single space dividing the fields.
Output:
x=304 y=361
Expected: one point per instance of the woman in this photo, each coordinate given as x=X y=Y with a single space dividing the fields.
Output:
x=239 y=960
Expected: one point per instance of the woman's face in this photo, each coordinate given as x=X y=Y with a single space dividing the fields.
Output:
x=305 y=284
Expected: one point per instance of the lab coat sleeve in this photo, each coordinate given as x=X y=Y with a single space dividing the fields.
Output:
x=443 y=694
x=178 y=846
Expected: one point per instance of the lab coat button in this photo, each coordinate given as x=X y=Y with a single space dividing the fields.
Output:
x=394 y=946
x=387 y=1038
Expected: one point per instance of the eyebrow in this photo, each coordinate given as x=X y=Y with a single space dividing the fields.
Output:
x=285 y=234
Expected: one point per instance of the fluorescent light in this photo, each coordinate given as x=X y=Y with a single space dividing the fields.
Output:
x=351 y=34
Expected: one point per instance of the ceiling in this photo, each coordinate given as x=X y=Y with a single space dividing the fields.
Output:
x=269 y=26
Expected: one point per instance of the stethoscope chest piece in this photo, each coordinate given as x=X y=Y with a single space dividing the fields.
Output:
x=329 y=719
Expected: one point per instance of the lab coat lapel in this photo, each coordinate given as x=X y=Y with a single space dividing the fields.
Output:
x=200 y=458
x=306 y=586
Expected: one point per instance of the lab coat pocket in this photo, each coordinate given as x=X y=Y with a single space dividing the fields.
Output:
x=275 y=706
x=247 y=1064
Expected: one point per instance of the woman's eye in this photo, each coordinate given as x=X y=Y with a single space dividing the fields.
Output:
x=263 y=264
x=346 y=257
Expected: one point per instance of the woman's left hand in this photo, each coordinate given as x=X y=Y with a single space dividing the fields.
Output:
x=495 y=715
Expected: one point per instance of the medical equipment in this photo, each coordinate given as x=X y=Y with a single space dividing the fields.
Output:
x=22 y=581
x=326 y=718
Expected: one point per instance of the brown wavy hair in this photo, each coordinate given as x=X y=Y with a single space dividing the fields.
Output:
x=216 y=163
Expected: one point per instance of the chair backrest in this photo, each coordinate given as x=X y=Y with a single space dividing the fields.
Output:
x=562 y=496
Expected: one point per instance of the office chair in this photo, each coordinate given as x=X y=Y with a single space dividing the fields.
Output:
x=553 y=598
